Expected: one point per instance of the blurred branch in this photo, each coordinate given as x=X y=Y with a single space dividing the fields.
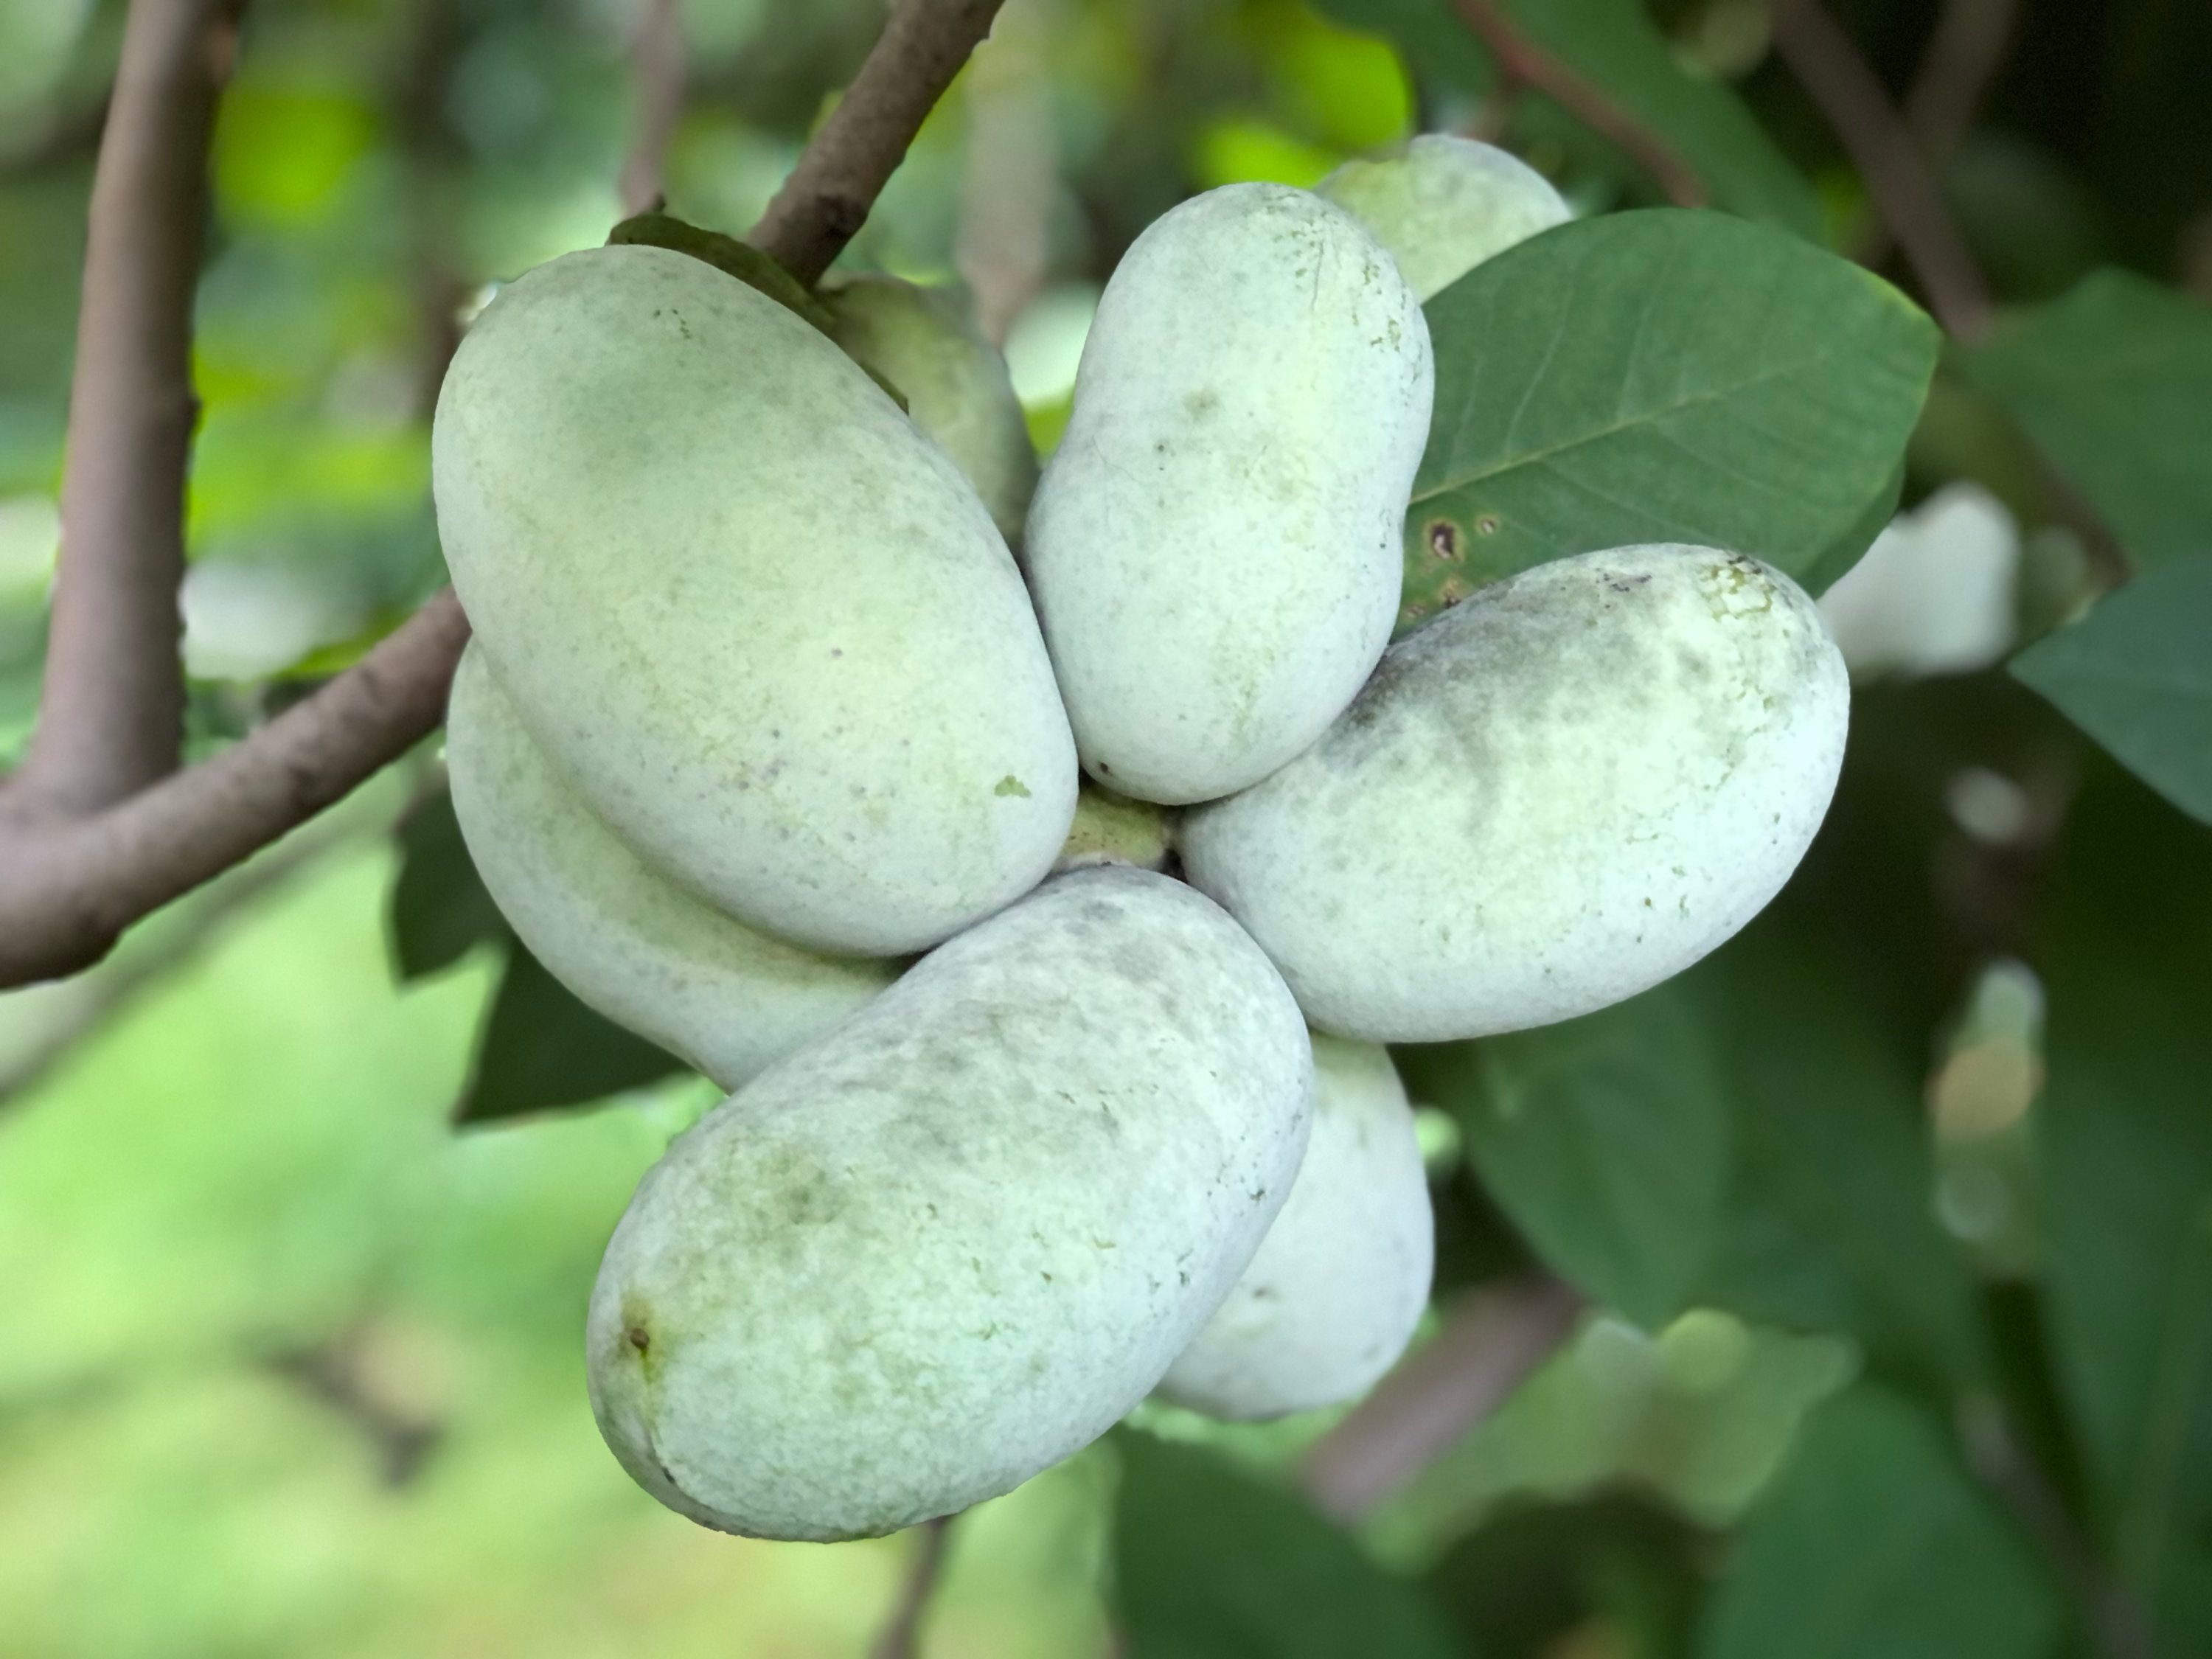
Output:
x=100 y=997
x=1520 y=60
x=1491 y=1339
x=656 y=96
x=112 y=709
x=427 y=151
x=1898 y=177
x=332 y=1373
x=69 y=886
x=1967 y=51
x=899 y=1637
x=853 y=157
x=2118 y=1625
x=1012 y=167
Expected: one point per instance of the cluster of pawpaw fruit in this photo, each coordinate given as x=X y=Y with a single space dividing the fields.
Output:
x=1052 y=1092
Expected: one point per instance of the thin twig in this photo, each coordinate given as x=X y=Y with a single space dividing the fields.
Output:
x=69 y=887
x=656 y=100
x=2118 y=1626
x=1012 y=168
x=1491 y=1341
x=1840 y=81
x=112 y=710
x=1521 y=59
x=827 y=195
x=925 y=1567
x=1966 y=52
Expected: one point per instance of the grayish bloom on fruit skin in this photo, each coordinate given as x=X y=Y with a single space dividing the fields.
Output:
x=1340 y=1281
x=760 y=624
x=1215 y=546
x=959 y=1239
x=1561 y=792
x=728 y=1000
x=954 y=382
x=1446 y=205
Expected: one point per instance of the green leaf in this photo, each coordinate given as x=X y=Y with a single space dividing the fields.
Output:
x=1532 y=1579
x=2124 y=1143
x=1606 y=1139
x=1614 y=45
x=1872 y=1540
x=440 y=910
x=1831 y=1222
x=1660 y=376
x=2136 y=674
x=1208 y=1563
x=2114 y=384
x=538 y=1048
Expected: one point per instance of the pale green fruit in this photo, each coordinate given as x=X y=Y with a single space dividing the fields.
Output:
x=960 y=1236
x=626 y=940
x=1339 y=1282
x=1446 y=205
x=757 y=619
x=1215 y=546
x=1111 y=828
x=954 y=382
x=1559 y=793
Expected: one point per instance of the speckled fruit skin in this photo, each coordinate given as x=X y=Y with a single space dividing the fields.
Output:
x=1556 y=795
x=1446 y=205
x=647 y=955
x=1215 y=546
x=956 y=1239
x=955 y=384
x=760 y=623
x=1339 y=1284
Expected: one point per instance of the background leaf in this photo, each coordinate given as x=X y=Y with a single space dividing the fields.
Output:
x=1208 y=1563
x=2125 y=1138
x=538 y=1048
x=1661 y=376
x=2136 y=674
x=1606 y=1139
x=2114 y=384
x=1831 y=1221
x=439 y=908
x=1873 y=1542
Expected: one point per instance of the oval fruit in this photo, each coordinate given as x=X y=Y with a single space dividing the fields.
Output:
x=1557 y=794
x=955 y=384
x=1215 y=546
x=1339 y=1282
x=957 y=1238
x=1446 y=205
x=757 y=619
x=727 y=999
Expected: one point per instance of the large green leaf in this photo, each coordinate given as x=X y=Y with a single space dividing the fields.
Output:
x=1661 y=376
x=1873 y=1542
x=2125 y=1138
x=2114 y=384
x=2136 y=674
x=1606 y=1139
x=538 y=1048
x=1208 y=1563
x=1831 y=1224
x=1614 y=47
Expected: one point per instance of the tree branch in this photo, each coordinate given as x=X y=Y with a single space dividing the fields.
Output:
x=1968 y=48
x=1522 y=60
x=69 y=886
x=656 y=82
x=1842 y=83
x=112 y=709
x=1492 y=1338
x=898 y=1636
x=848 y=161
